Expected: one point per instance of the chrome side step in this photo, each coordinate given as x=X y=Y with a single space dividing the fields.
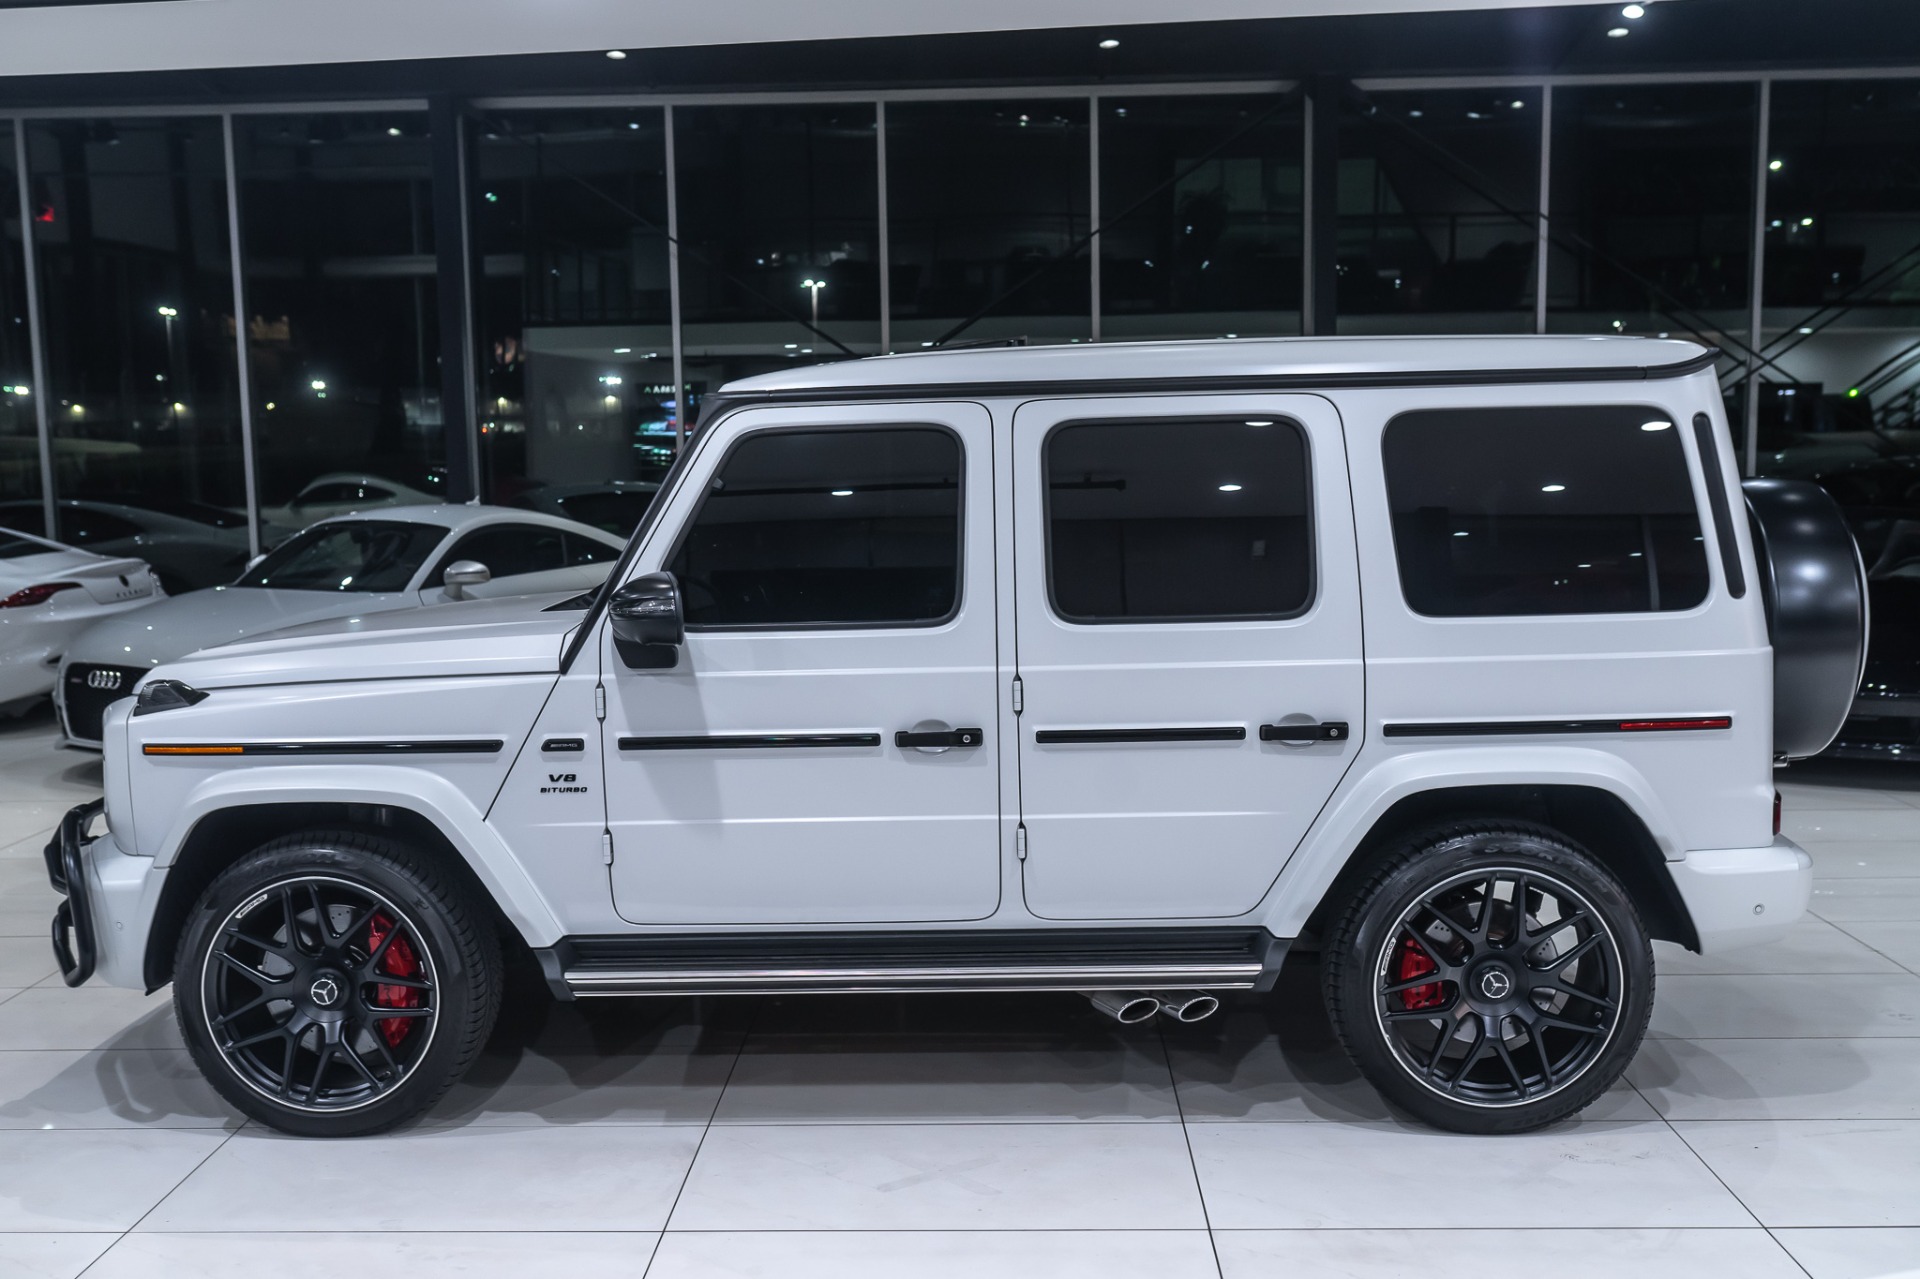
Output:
x=931 y=961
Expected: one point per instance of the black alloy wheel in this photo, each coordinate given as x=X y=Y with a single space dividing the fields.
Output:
x=1491 y=979
x=333 y=985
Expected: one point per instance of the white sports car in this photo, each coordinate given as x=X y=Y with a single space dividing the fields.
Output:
x=345 y=567
x=49 y=593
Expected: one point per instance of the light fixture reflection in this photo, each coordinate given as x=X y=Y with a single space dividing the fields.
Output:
x=1229 y=488
x=1553 y=488
x=1656 y=426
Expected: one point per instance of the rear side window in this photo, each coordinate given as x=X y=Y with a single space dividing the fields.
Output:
x=1521 y=512
x=827 y=528
x=1178 y=520
x=508 y=550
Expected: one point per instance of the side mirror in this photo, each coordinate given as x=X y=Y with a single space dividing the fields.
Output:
x=464 y=573
x=648 y=625
x=254 y=563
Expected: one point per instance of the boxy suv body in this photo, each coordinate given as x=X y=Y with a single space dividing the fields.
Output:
x=1116 y=670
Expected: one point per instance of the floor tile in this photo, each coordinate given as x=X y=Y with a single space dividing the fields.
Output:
x=1863 y=859
x=1834 y=1006
x=1898 y=940
x=89 y=1017
x=1843 y=901
x=1780 y=1078
x=1856 y=1253
x=587 y=1178
x=1799 y=797
x=26 y=961
x=673 y=1077
x=29 y=821
x=1562 y=1254
x=1813 y=946
x=86 y=1181
x=49 y=1256
x=1816 y=1172
x=1081 y=1176
x=112 y=1089
x=1378 y=1175
x=934 y=1079
x=488 y=1255
x=887 y=1254
x=1826 y=825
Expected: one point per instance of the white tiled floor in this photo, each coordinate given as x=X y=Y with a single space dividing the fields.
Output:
x=1770 y=1127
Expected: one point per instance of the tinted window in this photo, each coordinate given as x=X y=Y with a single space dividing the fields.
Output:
x=1178 y=519
x=329 y=493
x=361 y=555
x=13 y=548
x=617 y=512
x=584 y=550
x=508 y=550
x=821 y=528
x=1504 y=512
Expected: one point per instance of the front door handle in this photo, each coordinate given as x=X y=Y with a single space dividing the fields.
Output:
x=908 y=739
x=1333 y=730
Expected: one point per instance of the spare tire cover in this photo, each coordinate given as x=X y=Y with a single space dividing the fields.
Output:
x=1815 y=590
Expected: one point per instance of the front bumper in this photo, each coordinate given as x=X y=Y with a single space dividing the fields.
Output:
x=108 y=899
x=1744 y=896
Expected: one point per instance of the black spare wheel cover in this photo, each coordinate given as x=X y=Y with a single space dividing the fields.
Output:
x=1815 y=590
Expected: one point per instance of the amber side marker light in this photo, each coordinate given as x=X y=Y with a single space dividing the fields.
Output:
x=193 y=750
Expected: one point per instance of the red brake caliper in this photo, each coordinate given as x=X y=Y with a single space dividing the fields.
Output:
x=399 y=961
x=1415 y=962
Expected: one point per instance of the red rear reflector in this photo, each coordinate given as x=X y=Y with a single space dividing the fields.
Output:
x=1671 y=725
x=31 y=595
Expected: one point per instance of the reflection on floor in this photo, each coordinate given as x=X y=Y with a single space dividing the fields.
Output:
x=1771 y=1126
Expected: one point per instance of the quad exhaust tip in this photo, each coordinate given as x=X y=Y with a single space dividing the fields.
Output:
x=1128 y=1007
x=1189 y=1005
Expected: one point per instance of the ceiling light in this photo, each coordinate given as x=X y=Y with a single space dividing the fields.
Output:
x=617 y=55
x=1634 y=11
x=1805 y=330
x=1229 y=488
x=1553 y=488
x=1109 y=43
x=1415 y=114
x=1616 y=33
x=1461 y=533
x=1774 y=166
x=843 y=492
x=1517 y=104
x=622 y=350
x=1806 y=221
x=318 y=385
x=393 y=131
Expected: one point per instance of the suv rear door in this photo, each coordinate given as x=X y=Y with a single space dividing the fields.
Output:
x=1189 y=647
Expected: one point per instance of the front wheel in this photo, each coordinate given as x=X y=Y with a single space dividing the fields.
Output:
x=335 y=984
x=1490 y=978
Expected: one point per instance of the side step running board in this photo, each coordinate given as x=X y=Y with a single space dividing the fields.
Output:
x=933 y=960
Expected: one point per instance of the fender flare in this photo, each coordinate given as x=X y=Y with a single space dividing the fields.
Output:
x=1352 y=814
x=423 y=793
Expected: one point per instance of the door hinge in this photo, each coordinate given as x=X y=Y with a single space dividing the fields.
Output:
x=1019 y=700
x=599 y=701
x=606 y=847
x=1020 y=841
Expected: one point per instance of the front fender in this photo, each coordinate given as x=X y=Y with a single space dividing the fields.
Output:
x=1368 y=793
x=424 y=793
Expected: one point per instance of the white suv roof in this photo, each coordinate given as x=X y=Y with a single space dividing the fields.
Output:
x=1333 y=359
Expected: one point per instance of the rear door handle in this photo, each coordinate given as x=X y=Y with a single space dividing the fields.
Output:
x=1333 y=730
x=950 y=737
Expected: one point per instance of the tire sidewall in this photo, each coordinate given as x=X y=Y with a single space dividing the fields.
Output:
x=464 y=985
x=1362 y=933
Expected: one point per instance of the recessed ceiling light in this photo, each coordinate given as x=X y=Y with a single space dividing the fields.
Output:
x=616 y=54
x=1634 y=11
x=1109 y=43
x=1553 y=488
x=1774 y=166
x=1656 y=426
x=393 y=131
x=1616 y=33
x=1517 y=104
x=1229 y=488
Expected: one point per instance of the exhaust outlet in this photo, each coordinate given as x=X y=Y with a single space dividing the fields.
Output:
x=1128 y=1007
x=1189 y=1005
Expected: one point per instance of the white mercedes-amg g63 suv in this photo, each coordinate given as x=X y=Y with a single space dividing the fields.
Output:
x=1116 y=669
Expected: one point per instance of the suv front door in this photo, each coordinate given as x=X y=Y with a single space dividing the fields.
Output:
x=1188 y=622
x=836 y=570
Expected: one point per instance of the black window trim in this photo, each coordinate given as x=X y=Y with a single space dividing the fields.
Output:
x=1445 y=618
x=1311 y=515
x=826 y=428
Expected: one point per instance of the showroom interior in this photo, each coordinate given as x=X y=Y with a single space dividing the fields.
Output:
x=262 y=263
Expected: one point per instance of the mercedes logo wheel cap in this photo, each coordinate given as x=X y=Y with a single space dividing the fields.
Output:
x=1496 y=983
x=324 y=992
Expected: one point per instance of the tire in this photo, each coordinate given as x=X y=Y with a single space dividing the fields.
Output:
x=279 y=1014
x=1569 y=995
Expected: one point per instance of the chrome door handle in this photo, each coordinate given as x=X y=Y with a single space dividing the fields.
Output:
x=907 y=739
x=1334 y=730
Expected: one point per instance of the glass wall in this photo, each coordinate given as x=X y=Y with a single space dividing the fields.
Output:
x=987 y=210
x=131 y=244
x=780 y=237
x=1438 y=213
x=336 y=216
x=1652 y=210
x=19 y=430
x=1200 y=200
x=577 y=405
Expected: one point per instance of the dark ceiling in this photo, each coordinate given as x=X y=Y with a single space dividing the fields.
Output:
x=1676 y=35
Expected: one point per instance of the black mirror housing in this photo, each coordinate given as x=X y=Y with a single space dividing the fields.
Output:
x=648 y=625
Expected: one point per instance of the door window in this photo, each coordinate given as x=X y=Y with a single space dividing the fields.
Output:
x=827 y=528
x=1178 y=519
x=508 y=550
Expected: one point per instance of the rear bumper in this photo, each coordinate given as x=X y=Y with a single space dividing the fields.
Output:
x=109 y=895
x=1744 y=896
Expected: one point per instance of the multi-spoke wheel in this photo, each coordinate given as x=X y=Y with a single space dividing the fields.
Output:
x=1490 y=979
x=333 y=984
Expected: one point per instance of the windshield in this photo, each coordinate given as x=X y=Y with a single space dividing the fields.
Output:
x=359 y=555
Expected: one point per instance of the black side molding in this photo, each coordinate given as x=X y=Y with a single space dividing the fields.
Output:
x=748 y=741
x=1063 y=736
x=1551 y=727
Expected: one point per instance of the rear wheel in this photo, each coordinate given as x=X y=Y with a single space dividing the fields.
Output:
x=335 y=984
x=1490 y=978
